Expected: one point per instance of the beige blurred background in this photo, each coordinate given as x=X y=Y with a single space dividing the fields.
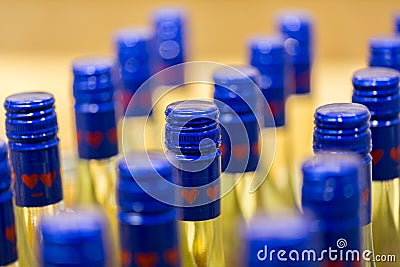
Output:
x=38 y=39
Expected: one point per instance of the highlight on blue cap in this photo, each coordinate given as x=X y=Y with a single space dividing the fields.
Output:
x=341 y=115
x=168 y=21
x=265 y=233
x=74 y=238
x=266 y=50
x=5 y=174
x=133 y=39
x=384 y=42
x=377 y=77
x=331 y=191
x=139 y=173
x=94 y=65
x=296 y=24
x=30 y=116
x=377 y=88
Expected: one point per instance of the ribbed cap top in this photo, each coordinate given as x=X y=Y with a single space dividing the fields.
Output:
x=5 y=174
x=92 y=79
x=192 y=127
x=74 y=238
x=331 y=190
x=168 y=21
x=385 y=51
x=133 y=40
x=342 y=126
x=384 y=43
x=278 y=232
x=140 y=171
x=30 y=116
x=377 y=89
x=236 y=88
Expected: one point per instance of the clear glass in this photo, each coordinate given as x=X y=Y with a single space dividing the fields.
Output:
x=14 y=264
x=201 y=244
x=300 y=125
x=385 y=218
x=27 y=228
x=96 y=185
x=278 y=189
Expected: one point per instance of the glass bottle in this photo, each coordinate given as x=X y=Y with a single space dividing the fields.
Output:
x=31 y=128
x=297 y=30
x=378 y=89
x=8 y=230
x=344 y=128
x=331 y=197
x=192 y=139
x=148 y=228
x=133 y=93
x=235 y=95
x=268 y=56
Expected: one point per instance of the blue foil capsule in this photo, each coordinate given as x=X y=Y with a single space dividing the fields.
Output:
x=8 y=238
x=147 y=227
x=74 y=239
x=331 y=194
x=344 y=128
x=268 y=56
x=94 y=108
x=384 y=52
x=193 y=138
x=235 y=95
x=31 y=128
x=378 y=89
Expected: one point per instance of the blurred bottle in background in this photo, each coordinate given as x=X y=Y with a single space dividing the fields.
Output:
x=31 y=129
x=297 y=30
x=384 y=52
x=343 y=128
x=235 y=95
x=170 y=47
x=133 y=50
x=397 y=23
x=96 y=131
x=193 y=137
x=331 y=194
x=78 y=238
x=267 y=54
x=378 y=89
x=270 y=240
x=8 y=231
x=148 y=228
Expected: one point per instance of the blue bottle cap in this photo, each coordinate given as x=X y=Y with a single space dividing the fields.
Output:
x=331 y=190
x=377 y=88
x=5 y=174
x=8 y=237
x=236 y=87
x=266 y=233
x=169 y=22
x=342 y=126
x=192 y=127
x=138 y=173
x=94 y=109
x=235 y=95
x=91 y=66
x=30 y=117
x=193 y=137
x=133 y=51
x=385 y=51
x=74 y=238
x=266 y=50
x=296 y=25
x=397 y=23
x=92 y=79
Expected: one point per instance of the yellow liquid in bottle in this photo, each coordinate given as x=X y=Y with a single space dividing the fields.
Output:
x=299 y=110
x=201 y=244
x=385 y=218
x=278 y=189
x=27 y=229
